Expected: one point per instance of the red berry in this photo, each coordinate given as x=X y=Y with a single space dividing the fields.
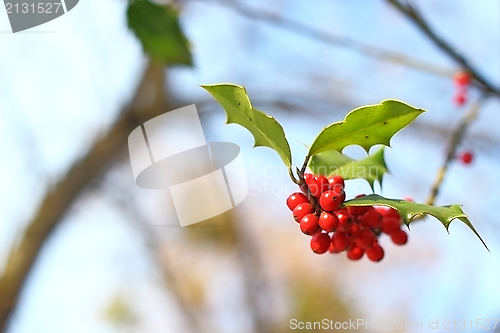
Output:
x=399 y=237
x=335 y=182
x=354 y=229
x=333 y=249
x=466 y=157
x=376 y=253
x=340 y=192
x=355 y=252
x=320 y=243
x=295 y=199
x=328 y=222
x=316 y=184
x=461 y=79
x=358 y=210
x=302 y=210
x=345 y=219
x=308 y=177
x=388 y=212
x=309 y=224
x=323 y=181
x=365 y=239
x=371 y=218
x=460 y=97
x=341 y=240
x=329 y=201
x=390 y=225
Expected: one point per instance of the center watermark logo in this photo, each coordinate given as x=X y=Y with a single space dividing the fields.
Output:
x=170 y=152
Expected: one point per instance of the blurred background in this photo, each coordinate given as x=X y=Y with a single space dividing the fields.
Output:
x=83 y=249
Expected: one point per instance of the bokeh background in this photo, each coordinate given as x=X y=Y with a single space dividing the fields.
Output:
x=114 y=259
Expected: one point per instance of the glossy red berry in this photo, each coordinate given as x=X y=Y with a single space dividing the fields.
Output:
x=295 y=199
x=323 y=181
x=390 y=225
x=399 y=237
x=308 y=177
x=336 y=182
x=354 y=229
x=302 y=210
x=340 y=192
x=316 y=184
x=328 y=222
x=355 y=252
x=461 y=79
x=371 y=218
x=309 y=224
x=341 y=240
x=365 y=239
x=376 y=253
x=466 y=157
x=345 y=219
x=329 y=201
x=333 y=249
x=388 y=212
x=320 y=243
x=358 y=210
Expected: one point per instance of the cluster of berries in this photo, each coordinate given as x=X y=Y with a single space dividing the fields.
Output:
x=354 y=229
x=462 y=81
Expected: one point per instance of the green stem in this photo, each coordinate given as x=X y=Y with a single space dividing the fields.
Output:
x=292 y=176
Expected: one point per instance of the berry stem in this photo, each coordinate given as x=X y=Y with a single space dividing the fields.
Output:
x=292 y=176
x=302 y=183
x=304 y=165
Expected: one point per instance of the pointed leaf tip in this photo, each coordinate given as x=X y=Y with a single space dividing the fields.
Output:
x=409 y=210
x=366 y=126
x=266 y=130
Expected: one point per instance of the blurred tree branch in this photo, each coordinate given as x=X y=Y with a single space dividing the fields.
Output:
x=335 y=40
x=242 y=243
x=481 y=82
x=149 y=101
x=413 y=15
x=455 y=140
x=153 y=245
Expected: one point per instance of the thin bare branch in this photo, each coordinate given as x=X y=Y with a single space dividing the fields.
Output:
x=455 y=140
x=413 y=15
x=336 y=40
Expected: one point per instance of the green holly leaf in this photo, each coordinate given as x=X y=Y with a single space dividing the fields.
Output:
x=265 y=129
x=366 y=126
x=332 y=162
x=410 y=210
x=157 y=27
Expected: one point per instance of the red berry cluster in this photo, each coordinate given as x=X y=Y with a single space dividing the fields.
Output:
x=462 y=81
x=336 y=229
